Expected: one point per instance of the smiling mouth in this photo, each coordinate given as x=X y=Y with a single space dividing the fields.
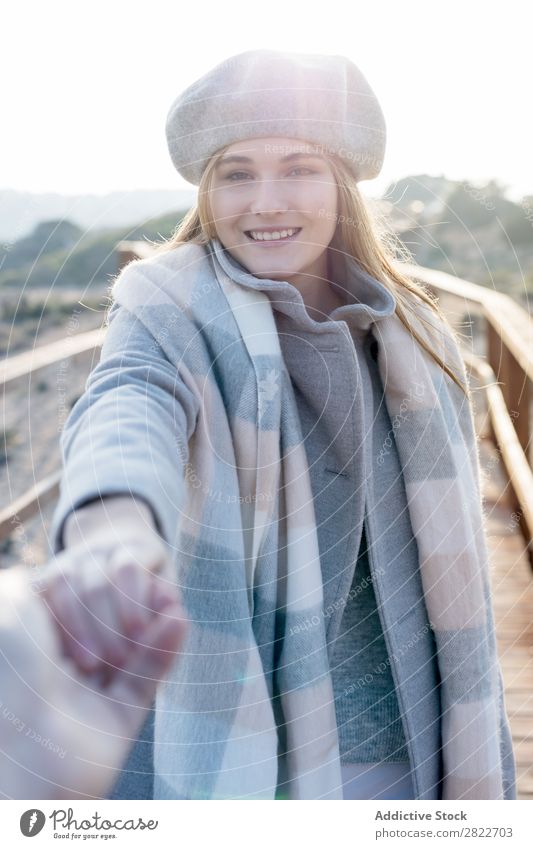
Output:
x=275 y=236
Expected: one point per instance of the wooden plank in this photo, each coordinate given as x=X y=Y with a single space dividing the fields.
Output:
x=512 y=589
x=515 y=461
x=510 y=321
x=29 y=362
x=28 y=504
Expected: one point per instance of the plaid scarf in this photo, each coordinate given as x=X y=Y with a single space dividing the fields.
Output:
x=247 y=557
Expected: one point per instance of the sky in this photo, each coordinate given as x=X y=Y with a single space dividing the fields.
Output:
x=87 y=86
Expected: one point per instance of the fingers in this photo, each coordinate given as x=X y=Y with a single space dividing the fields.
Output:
x=62 y=595
x=102 y=600
x=135 y=684
x=132 y=575
x=100 y=621
x=162 y=594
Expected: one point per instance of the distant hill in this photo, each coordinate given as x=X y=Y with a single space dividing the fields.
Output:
x=61 y=254
x=21 y=211
x=410 y=192
x=473 y=232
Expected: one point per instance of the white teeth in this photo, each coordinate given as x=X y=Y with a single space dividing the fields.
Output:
x=263 y=236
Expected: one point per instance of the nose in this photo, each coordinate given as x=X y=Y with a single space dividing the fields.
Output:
x=269 y=196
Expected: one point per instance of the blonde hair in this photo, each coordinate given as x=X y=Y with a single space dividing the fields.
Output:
x=370 y=241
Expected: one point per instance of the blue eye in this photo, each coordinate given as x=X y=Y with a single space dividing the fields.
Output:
x=236 y=174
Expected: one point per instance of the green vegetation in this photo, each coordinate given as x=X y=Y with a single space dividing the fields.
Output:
x=58 y=253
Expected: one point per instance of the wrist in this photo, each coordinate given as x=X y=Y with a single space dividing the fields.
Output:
x=104 y=514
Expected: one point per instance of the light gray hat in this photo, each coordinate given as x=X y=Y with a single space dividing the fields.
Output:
x=324 y=100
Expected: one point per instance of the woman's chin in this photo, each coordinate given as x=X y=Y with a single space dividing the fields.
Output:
x=273 y=273
x=270 y=266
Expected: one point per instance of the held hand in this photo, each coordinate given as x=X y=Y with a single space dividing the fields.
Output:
x=105 y=587
x=65 y=734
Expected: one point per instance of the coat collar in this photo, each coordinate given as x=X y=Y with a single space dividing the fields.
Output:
x=368 y=299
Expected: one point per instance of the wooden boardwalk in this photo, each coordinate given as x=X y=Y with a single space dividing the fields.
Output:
x=512 y=586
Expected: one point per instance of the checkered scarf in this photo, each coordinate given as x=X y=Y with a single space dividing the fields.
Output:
x=247 y=556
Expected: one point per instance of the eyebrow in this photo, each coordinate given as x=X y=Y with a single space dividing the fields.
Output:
x=235 y=157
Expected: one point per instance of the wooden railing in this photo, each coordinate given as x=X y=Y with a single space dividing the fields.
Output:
x=506 y=374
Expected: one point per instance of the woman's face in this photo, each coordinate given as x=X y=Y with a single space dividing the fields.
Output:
x=266 y=187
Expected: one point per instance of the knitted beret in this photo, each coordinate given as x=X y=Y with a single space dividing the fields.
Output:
x=324 y=100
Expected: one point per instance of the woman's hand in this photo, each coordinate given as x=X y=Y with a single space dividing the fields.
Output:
x=103 y=589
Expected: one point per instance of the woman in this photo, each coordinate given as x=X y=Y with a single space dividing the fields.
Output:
x=290 y=412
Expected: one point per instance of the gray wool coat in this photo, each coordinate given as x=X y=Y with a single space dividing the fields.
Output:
x=368 y=490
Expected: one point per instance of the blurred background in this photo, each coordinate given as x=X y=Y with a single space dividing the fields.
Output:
x=85 y=165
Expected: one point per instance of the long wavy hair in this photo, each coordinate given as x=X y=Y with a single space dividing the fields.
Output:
x=371 y=242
